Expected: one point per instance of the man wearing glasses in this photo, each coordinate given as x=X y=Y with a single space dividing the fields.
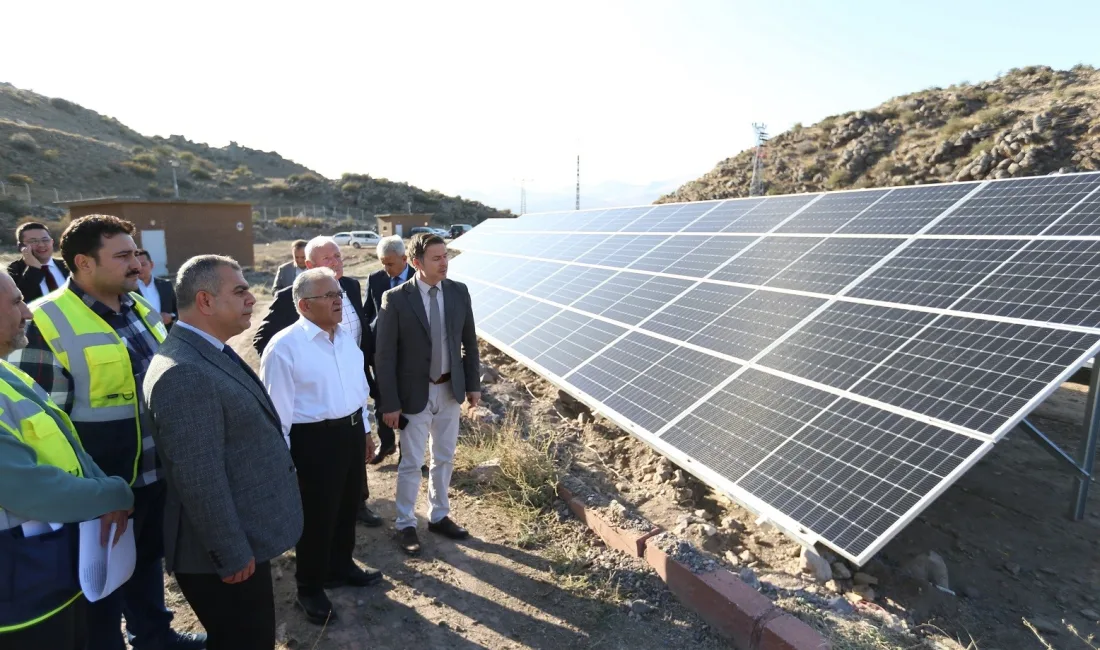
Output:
x=37 y=272
x=313 y=371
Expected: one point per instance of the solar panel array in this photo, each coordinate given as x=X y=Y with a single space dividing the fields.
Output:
x=833 y=361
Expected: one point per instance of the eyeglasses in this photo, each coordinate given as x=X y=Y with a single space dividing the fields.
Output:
x=331 y=295
x=35 y=242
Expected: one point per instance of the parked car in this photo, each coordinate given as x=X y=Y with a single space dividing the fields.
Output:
x=419 y=229
x=459 y=229
x=441 y=232
x=357 y=238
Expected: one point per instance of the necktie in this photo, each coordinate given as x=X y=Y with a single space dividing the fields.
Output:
x=240 y=362
x=436 y=324
x=393 y=283
x=51 y=282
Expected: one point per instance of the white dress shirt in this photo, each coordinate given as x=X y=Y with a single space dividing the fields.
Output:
x=311 y=378
x=424 y=287
x=152 y=296
x=209 y=337
x=351 y=321
x=51 y=268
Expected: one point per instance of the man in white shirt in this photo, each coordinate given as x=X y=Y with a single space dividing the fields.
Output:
x=158 y=292
x=313 y=370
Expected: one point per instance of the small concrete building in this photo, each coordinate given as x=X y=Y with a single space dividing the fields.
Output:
x=174 y=231
x=400 y=224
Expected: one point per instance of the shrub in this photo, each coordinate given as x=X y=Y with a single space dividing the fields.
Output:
x=155 y=190
x=954 y=127
x=242 y=172
x=279 y=188
x=140 y=169
x=828 y=123
x=184 y=184
x=135 y=150
x=299 y=222
x=64 y=105
x=909 y=117
x=104 y=172
x=23 y=142
x=51 y=154
x=20 y=179
x=200 y=173
x=187 y=156
x=351 y=187
x=164 y=151
x=146 y=159
x=838 y=179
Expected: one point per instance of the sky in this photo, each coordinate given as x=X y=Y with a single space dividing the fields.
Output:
x=470 y=97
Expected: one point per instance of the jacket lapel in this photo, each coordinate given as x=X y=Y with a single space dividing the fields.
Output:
x=450 y=307
x=222 y=361
x=412 y=294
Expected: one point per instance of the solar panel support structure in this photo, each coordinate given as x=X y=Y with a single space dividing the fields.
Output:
x=1084 y=468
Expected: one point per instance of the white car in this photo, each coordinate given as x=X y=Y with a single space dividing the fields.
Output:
x=357 y=238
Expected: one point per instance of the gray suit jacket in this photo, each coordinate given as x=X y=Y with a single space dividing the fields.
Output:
x=404 y=346
x=232 y=487
x=284 y=276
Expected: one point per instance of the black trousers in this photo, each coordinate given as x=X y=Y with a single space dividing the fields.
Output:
x=236 y=617
x=65 y=630
x=329 y=459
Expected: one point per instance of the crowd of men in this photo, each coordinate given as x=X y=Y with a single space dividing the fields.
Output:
x=122 y=401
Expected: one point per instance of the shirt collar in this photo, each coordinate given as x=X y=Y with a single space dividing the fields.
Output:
x=126 y=303
x=312 y=331
x=205 y=335
x=424 y=286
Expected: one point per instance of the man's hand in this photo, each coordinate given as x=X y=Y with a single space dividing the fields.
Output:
x=166 y=318
x=370 y=447
x=120 y=517
x=392 y=420
x=473 y=399
x=30 y=259
x=243 y=574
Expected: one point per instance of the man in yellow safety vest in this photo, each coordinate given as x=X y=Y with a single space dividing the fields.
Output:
x=89 y=345
x=47 y=485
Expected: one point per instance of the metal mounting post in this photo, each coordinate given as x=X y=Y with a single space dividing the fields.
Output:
x=1088 y=448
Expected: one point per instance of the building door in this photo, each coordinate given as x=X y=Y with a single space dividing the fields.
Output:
x=153 y=241
x=397 y=229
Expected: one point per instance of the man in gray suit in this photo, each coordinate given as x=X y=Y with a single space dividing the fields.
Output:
x=426 y=365
x=233 y=501
x=284 y=277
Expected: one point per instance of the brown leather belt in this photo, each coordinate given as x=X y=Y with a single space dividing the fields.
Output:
x=444 y=378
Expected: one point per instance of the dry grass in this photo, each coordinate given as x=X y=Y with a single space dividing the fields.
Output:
x=528 y=476
x=1086 y=641
x=850 y=634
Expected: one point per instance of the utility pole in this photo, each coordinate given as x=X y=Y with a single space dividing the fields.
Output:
x=523 y=193
x=577 y=206
x=175 y=185
x=756 y=187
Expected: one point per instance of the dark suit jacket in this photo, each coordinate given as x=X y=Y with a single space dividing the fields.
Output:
x=378 y=283
x=29 y=279
x=284 y=276
x=232 y=487
x=167 y=295
x=404 y=347
x=283 y=313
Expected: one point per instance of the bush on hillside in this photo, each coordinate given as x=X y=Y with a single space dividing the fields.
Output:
x=165 y=151
x=351 y=187
x=51 y=154
x=23 y=142
x=200 y=173
x=146 y=159
x=156 y=191
x=64 y=105
x=20 y=179
x=279 y=188
x=187 y=156
x=299 y=222
x=140 y=169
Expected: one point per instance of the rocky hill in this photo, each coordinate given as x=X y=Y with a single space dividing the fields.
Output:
x=1030 y=121
x=62 y=150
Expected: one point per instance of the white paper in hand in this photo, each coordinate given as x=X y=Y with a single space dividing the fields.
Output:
x=105 y=568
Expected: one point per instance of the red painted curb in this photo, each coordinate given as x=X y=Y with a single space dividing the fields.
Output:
x=631 y=542
x=739 y=612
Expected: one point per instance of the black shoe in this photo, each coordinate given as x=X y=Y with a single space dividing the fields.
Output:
x=318 y=607
x=185 y=641
x=356 y=578
x=368 y=517
x=408 y=541
x=448 y=528
x=381 y=454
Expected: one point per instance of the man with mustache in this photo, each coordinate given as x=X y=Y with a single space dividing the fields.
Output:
x=313 y=370
x=89 y=346
x=37 y=272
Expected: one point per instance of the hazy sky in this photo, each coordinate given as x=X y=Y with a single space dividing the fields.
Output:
x=467 y=95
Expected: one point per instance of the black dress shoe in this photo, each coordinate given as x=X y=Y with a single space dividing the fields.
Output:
x=368 y=517
x=317 y=606
x=408 y=541
x=356 y=578
x=185 y=641
x=448 y=528
x=381 y=454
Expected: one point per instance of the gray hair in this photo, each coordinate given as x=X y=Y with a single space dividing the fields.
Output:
x=317 y=242
x=392 y=245
x=304 y=282
x=200 y=273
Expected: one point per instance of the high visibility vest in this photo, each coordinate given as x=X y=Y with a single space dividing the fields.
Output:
x=103 y=386
x=38 y=573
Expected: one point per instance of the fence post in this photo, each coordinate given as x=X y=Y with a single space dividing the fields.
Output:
x=81 y=195
x=3 y=189
x=56 y=198
x=28 y=186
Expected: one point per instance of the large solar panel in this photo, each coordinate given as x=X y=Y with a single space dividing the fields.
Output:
x=833 y=361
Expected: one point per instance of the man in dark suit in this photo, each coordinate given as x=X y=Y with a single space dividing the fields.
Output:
x=157 y=291
x=284 y=276
x=37 y=272
x=233 y=502
x=395 y=271
x=324 y=251
x=427 y=363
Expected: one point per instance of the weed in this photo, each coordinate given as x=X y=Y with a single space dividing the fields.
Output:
x=24 y=142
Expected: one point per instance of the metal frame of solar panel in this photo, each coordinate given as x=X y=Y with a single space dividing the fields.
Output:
x=832 y=361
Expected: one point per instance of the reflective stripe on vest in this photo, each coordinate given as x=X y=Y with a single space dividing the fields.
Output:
x=103 y=385
x=27 y=422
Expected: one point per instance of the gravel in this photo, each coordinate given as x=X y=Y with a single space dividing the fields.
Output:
x=685 y=553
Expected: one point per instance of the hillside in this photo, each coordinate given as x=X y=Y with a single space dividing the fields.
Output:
x=1028 y=122
x=52 y=144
